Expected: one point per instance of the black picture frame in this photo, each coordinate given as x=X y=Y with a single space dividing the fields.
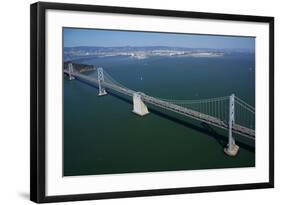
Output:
x=38 y=101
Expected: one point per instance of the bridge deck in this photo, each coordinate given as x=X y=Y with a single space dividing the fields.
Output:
x=241 y=130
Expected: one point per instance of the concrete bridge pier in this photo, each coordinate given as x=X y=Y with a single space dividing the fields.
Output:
x=138 y=105
x=232 y=148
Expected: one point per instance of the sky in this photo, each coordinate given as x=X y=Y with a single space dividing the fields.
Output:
x=109 y=38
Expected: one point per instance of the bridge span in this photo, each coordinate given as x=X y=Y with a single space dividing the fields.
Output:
x=219 y=112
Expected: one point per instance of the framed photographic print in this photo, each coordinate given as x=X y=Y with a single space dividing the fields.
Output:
x=129 y=102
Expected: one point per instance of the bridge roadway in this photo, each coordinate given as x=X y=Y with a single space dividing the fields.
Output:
x=238 y=129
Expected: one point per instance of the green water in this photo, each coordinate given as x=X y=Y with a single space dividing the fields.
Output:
x=103 y=136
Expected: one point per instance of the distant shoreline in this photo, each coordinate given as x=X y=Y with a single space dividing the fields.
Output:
x=139 y=52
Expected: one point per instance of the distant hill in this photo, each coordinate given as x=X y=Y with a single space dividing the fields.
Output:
x=80 y=67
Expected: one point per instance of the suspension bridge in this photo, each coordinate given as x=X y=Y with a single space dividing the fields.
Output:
x=229 y=112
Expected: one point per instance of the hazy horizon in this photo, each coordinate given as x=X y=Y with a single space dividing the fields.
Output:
x=77 y=37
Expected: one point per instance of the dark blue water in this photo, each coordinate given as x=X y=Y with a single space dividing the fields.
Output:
x=103 y=136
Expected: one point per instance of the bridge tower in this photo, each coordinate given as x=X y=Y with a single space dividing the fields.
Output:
x=102 y=90
x=70 y=71
x=232 y=148
x=139 y=107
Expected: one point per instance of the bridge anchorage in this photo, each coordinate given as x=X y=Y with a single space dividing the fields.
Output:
x=138 y=105
x=229 y=112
